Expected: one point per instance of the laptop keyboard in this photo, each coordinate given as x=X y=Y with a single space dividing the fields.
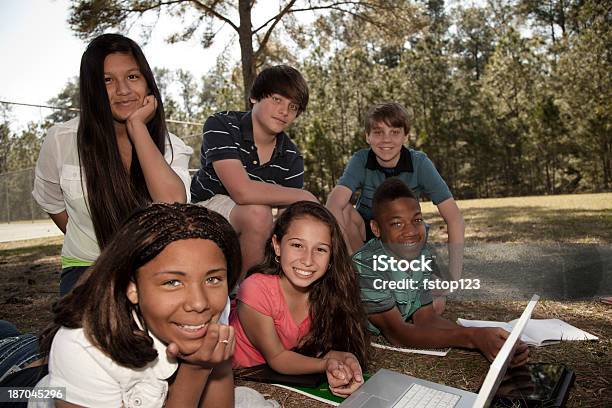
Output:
x=419 y=396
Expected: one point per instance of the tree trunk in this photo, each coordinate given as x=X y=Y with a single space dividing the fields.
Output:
x=246 y=48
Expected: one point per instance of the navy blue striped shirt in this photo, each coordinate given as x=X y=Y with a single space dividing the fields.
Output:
x=229 y=135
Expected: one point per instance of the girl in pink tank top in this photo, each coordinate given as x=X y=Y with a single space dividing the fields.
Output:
x=300 y=311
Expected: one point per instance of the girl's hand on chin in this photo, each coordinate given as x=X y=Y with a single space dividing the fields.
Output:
x=218 y=345
x=145 y=113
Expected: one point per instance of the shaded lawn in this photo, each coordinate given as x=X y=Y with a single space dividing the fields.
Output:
x=30 y=283
x=30 y=272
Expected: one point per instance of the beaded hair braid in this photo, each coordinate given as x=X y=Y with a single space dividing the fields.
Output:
x=166 y=223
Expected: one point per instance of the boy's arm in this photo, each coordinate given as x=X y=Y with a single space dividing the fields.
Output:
x=437 y=189
x=427 y=332
x=401 y=333
x=339 y=197
x=245 y=191
x=487 y=339
x=426 y=316
x=337 y=201
x=351 y=180
x=456 y=236
x=454 y=220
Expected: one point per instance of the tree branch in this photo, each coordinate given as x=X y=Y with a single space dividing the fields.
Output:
x=144 y=9
x=277 y=19
x=214 y=13
x=196 y=3
x=331 y=6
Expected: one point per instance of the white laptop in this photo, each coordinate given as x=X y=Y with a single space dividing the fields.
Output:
x=388 y=389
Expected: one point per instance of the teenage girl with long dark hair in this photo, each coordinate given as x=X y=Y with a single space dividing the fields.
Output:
x=300 y=311
x=93 y=171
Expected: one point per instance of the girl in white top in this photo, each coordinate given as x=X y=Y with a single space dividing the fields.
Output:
x=147 y=324
x=92 y=172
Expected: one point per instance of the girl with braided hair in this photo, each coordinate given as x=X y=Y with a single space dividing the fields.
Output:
x=300 y=310
x=147 y=325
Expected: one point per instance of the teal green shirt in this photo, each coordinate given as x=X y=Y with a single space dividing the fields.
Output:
x=377 y=299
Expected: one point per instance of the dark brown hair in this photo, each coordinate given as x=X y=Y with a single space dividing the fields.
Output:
x=113 y=192
x=391 y=113
x=337 y=319
x=283 y=80
x=99 y=304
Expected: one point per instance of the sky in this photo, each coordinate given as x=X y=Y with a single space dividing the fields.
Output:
x=40 y=54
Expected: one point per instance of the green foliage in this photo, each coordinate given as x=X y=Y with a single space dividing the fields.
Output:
x=5 y=145
x=511 y=98
x=331 y=129
x=19 y=150
x=585 y=85
x=203 y=19
x=500 y=111
x=553 y=17
x=68 y=99
x=25 y=148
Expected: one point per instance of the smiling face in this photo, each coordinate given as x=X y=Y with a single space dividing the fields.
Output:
x=181 y=291
x=386 y=142
x=304 y=252
x=274 y=113
x=126 y=87
x=400 y=227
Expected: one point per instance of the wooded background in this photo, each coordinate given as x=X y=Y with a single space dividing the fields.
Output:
x=507 y=98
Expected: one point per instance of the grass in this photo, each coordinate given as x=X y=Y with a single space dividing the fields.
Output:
x=30 y=276
x=571 y=219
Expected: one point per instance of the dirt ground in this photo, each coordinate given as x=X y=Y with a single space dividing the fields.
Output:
x=29 y=277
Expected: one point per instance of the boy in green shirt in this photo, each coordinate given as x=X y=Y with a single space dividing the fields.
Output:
x=404 y=313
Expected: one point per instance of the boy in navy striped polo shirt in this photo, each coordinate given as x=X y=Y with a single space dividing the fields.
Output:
x=248 y=163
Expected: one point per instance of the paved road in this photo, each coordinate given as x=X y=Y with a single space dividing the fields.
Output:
x=554 y=271
x=17 y=231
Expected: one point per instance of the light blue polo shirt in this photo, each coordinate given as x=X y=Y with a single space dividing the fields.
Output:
x=364 y=174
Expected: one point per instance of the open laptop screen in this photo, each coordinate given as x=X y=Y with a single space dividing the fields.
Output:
x=500 y=364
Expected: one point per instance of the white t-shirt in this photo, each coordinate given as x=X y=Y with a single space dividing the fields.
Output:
x=92 y=379
x=58 y=187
